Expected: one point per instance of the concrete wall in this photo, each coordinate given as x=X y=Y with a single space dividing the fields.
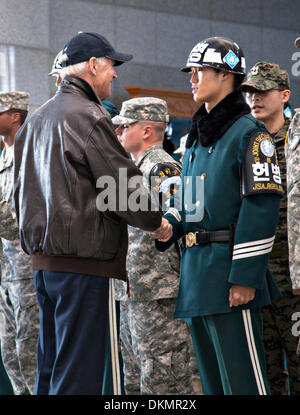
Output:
x=159 y=33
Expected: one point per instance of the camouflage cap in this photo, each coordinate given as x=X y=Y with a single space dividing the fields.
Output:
x=14 y=100
x=139 y=109
x=297 y=42
x=264 y=76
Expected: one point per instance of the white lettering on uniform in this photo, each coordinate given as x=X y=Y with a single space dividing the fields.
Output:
x=261 y=172
x=276 y=173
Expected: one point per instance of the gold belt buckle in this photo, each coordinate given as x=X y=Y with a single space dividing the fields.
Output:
x=190 y=239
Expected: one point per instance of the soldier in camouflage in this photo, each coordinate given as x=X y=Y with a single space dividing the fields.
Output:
x=267 y=90
x=293 y=187
x=154 y=345
x=19 y=309
x=292 y=150
x=8 y=230
x=8 y=221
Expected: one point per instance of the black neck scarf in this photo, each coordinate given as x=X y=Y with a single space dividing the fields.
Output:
x=210 y=127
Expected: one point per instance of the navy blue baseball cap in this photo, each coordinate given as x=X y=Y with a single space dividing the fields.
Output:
x=86 y=45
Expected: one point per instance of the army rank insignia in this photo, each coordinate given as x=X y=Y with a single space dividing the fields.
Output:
x=260 y=169
x=165 y=181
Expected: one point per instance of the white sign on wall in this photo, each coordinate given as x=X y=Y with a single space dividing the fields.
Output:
x=7 y=68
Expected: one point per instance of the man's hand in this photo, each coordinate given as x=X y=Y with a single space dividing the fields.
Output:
x=296 y=291
x=239 y=294
x=164 y=232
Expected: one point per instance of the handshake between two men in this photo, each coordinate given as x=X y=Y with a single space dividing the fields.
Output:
x=164 y=232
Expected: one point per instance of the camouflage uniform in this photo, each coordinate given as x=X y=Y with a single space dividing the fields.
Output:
x=278 y=338
x=155 y=346
x=292 y=149
x=293 y=191
x=19 y=309
x=8 y=221
x=8 y=230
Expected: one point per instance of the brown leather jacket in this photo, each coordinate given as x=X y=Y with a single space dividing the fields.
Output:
x=60 y=152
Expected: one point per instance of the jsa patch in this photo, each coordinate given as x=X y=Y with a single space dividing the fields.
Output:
x=260 y=169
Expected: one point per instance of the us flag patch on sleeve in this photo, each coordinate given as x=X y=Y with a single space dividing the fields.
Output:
x=260 y=168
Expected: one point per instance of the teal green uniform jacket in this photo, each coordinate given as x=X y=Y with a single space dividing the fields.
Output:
x=215 y=202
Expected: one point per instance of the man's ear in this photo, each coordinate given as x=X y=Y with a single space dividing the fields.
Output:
x=147 y=132
x=286 y=95
x=92 y=65
x=16 y=117
x=225 y=75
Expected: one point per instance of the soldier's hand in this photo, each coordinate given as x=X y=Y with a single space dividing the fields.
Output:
x=239 y=294
x=164 y=232
x=297 y=291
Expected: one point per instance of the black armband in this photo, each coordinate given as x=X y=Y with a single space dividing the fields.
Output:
x=165 y=181
x=260 y=168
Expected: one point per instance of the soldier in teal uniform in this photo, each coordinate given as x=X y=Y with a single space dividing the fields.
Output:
x=226 y=217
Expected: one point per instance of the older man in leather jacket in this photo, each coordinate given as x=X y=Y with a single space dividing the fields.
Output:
x=76 y=244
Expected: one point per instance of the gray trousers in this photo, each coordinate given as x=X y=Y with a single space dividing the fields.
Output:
x=19 y=326
x=155 y=348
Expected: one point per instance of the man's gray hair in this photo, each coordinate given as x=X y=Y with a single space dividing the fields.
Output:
x=79 y=68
